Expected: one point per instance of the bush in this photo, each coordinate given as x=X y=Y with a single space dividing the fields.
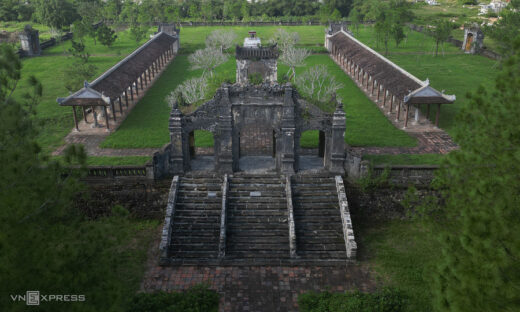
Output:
x=197 y=299
x=385 y=300
x=255 y=78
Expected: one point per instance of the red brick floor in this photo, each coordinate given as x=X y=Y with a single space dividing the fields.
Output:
x=257 y=288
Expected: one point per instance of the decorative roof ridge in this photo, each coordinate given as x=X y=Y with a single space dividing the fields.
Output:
x=450 y=98
x=128 y=58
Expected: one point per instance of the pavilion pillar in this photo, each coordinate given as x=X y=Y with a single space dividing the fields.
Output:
x=84 y=113
x=132 y=91
x=126 y=97
x=406 y=116
x=416 y=116
x=75 y=117
x=399 y=103
x=378 y=91
x=373 y=86
x=385 y=95
x=106 y=117
x=120 y=106
x=437 y=115
x=427 y=111
x=141 y=81
x=391 y=104
x=113 y=109
x=136 y=88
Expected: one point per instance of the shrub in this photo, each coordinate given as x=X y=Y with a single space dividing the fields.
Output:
x=385 y=300
x=198 y=299
x=255 y=78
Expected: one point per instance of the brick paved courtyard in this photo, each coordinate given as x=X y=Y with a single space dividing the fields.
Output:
x=257 y=288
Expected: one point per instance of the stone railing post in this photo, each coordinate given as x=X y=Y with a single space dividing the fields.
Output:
x=223 y=219
x=166 y=235
x=290 y=214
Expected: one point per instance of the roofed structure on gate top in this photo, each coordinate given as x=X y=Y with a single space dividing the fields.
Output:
x=270 y=52
x=117 y=79
x=396 y=80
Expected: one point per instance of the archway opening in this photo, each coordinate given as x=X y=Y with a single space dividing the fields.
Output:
x=202 y=156
x=312 y=150
x=257 y=148
x=469 y=42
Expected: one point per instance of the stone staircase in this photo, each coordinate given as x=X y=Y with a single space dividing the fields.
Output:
x=257 y=229
x=196 y=219
x=319 y=233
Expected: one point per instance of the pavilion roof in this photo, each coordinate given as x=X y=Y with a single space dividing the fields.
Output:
x=117 y=79
x=269 y=52
x=86 y=96
x=395 y=79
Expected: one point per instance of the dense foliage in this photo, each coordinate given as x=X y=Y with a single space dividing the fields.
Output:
x=198 y=298
x=46 y=243
x=385 y=300
x=478 y=265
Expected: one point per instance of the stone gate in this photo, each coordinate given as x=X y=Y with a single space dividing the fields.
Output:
x=266 y=119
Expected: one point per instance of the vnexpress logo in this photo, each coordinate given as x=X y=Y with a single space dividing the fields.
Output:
x=33 y=298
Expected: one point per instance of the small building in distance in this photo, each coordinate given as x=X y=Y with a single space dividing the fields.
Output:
x=256 y=62
x=30 y=41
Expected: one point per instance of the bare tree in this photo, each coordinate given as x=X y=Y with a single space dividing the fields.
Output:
x=293 y=58
x=220 y=39
x=284 y=39
x=189 y=92
x=207 y=59
x=318 y=83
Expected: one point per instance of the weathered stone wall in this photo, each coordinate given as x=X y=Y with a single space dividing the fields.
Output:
x=142 y=197
x=267 y=68
x=256 y=141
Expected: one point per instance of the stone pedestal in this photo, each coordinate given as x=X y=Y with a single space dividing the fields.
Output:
x=179 y=152
x=337 y=144
x=224 y=141
x=286 y=161
x=30 y=41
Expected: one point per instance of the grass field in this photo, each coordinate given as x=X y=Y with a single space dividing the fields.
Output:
x=147 y=126
x=402 y=253
x=455 y=72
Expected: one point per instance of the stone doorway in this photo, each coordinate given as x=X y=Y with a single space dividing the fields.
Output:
x=202 y=156
x=257 y=149
x=311 y=156
x=469 y=42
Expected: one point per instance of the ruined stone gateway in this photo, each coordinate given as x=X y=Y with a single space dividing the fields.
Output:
x=228 y=215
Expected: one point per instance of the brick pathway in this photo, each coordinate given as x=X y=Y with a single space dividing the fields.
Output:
x=257 y=288
x=428 y=143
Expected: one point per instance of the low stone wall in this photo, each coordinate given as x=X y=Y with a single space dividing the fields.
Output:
x=348 y=231
x=170 y=211
x=144 y=198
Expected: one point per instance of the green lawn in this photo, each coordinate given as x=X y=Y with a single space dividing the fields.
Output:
x=402 y=253
x=455 y=72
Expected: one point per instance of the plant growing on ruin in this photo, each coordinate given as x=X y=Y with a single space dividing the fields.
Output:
x=220 y=39
x=189 y=92
x=207 y=59
x=317 y=83
x=294 y=57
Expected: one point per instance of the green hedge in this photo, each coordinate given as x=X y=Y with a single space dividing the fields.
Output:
x=197 y=299
x=385 y=300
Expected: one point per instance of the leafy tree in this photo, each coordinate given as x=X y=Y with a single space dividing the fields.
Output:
x=105 y=35
x=335 y=16
x=221 y=39
x=318 y=84
x=55 y=13
x=441 y=33
x=76 y=74
x=478 y=267
x=78 y=50
x=284 y=39
x=507 y=28
x=397 y=34
x=343 y=6
x=356 y=18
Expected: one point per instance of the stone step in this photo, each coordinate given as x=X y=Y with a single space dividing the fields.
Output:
x=319 y=239
x=196 y=213
x=198 y=206
x=258 y=219
x=322 y=254
x=248 y=194
x=254 y=232
x=321 y=247
x=314 y=187
x=316 y=219
x=255 y=212
x=185 y=199
x=189 y=193
x=316 y=212
x=184 y=239
x=260 y=206
x=204 y=232
x=314 y=193
x=261 y=239
x=276 y=225
x=268 y=247
x=193 y=254
x=256 y=187
x=265 y=200
x=256 y=180
x=278 y=254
